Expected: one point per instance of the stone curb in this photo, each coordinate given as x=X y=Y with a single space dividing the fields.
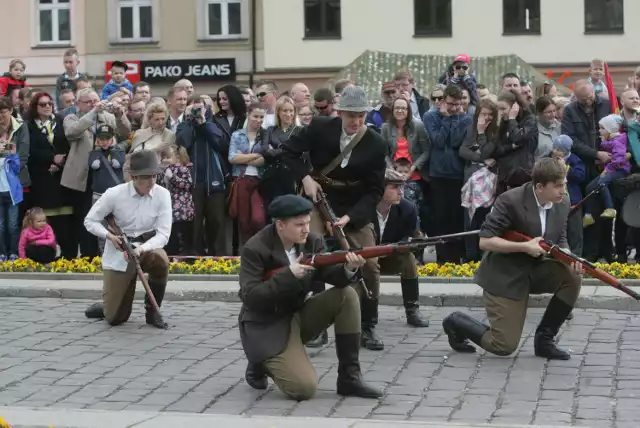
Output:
x=59 y=276
x=72 y=418
x=618 y=303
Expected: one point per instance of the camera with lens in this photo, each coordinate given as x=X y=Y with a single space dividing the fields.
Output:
x=196 y=112
x=109 y=107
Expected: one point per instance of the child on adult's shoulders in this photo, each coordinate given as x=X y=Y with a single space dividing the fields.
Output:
x=118 y=80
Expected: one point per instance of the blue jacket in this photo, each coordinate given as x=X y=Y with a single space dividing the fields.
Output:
x=204 y=143
x=576 y=175
x=12 y=169
x=112 y=87
x=447 y=134
x=240 y=145
x=374 y=117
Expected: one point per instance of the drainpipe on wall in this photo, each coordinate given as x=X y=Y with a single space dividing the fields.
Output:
x=253 y=42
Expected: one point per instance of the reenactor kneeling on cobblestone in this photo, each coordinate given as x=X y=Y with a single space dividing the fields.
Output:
x=277 y=316
x=143 y=211
x=511 y=271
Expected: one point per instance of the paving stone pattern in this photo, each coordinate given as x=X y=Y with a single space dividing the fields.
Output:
x=50 y=355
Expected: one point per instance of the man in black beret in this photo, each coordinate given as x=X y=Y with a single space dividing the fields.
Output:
x=277 y=316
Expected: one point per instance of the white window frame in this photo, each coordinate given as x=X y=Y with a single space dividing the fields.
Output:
x=54 y=7
x=115 y=30
x=203 y=20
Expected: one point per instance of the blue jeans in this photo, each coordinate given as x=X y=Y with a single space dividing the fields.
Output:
x=9 y=227
x=605 y=195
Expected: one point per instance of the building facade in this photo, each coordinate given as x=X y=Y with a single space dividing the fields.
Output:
x=210 y=40
x=241 y=41
x=553 y=35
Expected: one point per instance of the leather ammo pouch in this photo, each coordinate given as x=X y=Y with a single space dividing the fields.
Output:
x=141 y=239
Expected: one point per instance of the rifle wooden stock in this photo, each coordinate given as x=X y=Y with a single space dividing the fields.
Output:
x=568 y=257
x=327 y=215
x=336 y=257
x=128 y=248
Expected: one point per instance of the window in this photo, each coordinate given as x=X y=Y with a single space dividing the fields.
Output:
x=54 y=22
x=604 y=16
x=521 y=16
x=322 y=19
x=224 y=19
x=432 y=17
x=135 y=20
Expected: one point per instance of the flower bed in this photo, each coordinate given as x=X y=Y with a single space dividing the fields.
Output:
x=231 y=265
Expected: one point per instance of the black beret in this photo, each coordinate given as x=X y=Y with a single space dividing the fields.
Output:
x=288 y=206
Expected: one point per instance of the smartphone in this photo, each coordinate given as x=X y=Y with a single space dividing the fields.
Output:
x=196 y=112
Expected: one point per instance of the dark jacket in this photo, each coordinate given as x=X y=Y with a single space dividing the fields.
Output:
x=64 y=81
x=227 y=130
x=423 y=103
x=101 y=178
x=446 y=134
x=402 y=223
x=204 y=143
x=19 y=135
x=583 y=130
x=576 y=178
x=45 y=191
x=366 y=167
x=515 y=147
x=471 y=151
x=277 y=178
x=508 y=275
x=268 y=305
x=418 y=141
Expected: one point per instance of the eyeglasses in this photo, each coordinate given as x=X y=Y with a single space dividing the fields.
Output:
x=45 y=104
x=462 y=67
x=437 y=98
x=322 y=107
x=263 y=94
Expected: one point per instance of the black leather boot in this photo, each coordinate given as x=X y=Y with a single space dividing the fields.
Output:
x=544 y=342
x=350 y=382
x=369 y=338
x=152 y=316
x=95 y=311
x=461 y=328
x=410 y=298
x=319 y=341
x=256 y=376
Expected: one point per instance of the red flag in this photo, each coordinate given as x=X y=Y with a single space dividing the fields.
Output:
x=613 y=99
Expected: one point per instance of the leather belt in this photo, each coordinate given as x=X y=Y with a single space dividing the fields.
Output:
x=330 y=182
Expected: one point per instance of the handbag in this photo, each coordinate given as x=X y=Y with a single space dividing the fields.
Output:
x=232 y=199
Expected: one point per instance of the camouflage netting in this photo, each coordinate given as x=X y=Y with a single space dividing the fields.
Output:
x=373 y=68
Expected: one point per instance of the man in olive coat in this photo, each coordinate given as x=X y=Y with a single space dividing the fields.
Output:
x=277 y=316
x=510 y=271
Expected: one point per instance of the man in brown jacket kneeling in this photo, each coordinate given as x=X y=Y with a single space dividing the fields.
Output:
x=277 y=316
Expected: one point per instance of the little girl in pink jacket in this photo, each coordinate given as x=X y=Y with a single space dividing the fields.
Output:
x=37 y=240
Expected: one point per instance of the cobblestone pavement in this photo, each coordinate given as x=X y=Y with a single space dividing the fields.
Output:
x=50 y=355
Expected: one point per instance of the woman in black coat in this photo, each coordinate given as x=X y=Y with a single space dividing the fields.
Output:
x=47 y=153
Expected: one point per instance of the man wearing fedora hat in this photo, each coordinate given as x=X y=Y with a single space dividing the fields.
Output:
x=143 y=211
x=347 y=164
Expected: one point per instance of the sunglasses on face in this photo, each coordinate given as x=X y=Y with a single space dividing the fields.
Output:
x=436 y=99
x=45 y=104
x=322 y=107
x=462 y=67
x=262 y=94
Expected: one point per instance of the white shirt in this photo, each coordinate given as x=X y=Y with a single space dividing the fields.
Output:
x=382 y=222
x=173 y=124
x=135 y=215
x=344 y=141
x=542 y=212
x=269 y=120
x=251 y=170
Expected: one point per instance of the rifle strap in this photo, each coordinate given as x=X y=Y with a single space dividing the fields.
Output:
x=344 y=153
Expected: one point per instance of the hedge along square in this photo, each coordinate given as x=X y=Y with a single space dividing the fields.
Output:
x=231 y=266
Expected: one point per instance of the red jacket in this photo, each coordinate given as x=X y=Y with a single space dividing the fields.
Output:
x=8 y=84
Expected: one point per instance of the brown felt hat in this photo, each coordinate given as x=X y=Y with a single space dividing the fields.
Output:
x=144 y=162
